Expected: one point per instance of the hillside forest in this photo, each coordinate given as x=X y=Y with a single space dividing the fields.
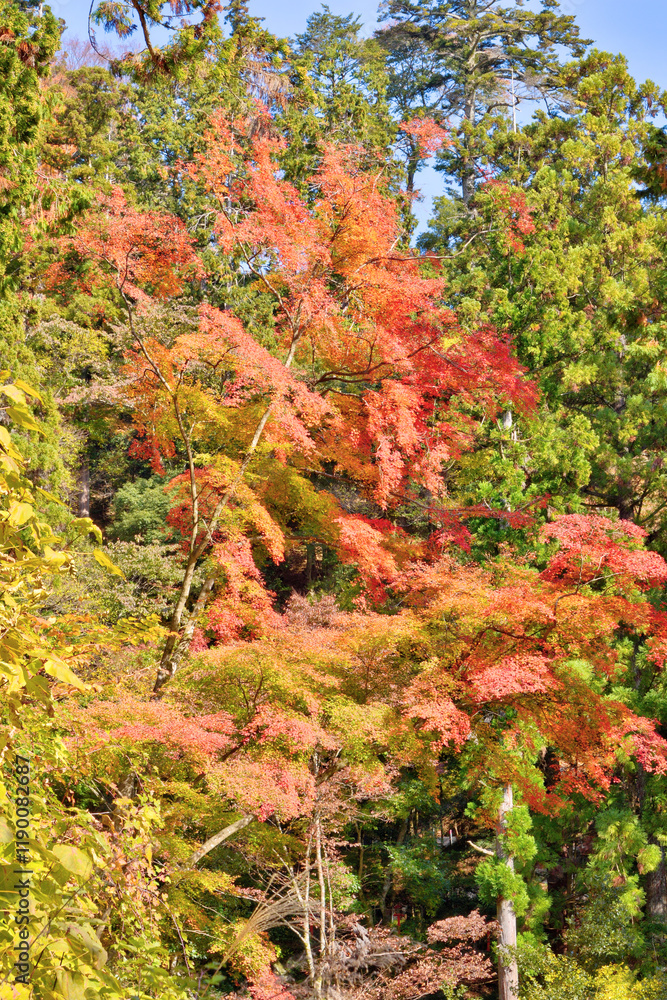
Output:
x=333 y=605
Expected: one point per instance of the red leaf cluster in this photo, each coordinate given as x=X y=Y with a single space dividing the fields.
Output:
x=143 y=255
x=593 y=547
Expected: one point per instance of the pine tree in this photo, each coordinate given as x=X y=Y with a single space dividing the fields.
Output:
x=470 y=61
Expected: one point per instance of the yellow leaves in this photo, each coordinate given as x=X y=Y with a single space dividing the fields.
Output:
x=74 y=860
x=86 y=935
x=5 y=440
x=19 y=513
x=53 y=558
x=22 y=416
x=618 y=982
x=13 y=393
x=35 y=651
x=17 y=391
x=15 y=991
x=563 y=976
x=103 y=559
x=71 y=985
x=60 y=670
x=85 y=526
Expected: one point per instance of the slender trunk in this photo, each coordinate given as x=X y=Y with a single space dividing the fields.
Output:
x=219 y=838
x=178 y=641
x=656 y=881
x=508 y=970
x=84 y=491
x=323 y=965
x=389 y=876
x=177 y=645
x=360 y=869
x=468 y=170
x=331 y=944
x=314 y=977
x=656 y=890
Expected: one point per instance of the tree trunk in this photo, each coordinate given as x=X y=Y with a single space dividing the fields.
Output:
x=84 y=491
x=389 y=876
x=219 y=838
x=176 y=646
x=656 y=890
x=178 y=641
x=656 y=881
x=508 y=970
x=467 y=167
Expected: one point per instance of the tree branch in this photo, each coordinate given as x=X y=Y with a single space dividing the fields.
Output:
x=482 y=850
x=219 y=838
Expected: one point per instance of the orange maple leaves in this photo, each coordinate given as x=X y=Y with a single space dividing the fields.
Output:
x=364 y=326
x=371 y=374
x=525 y=649
x=143 y=255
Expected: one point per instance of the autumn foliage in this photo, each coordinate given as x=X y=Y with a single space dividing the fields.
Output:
x=327 y=428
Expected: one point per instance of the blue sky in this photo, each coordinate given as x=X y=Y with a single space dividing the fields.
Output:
x=637 y=29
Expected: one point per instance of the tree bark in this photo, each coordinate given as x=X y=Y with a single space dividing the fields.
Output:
x=388 y=877
x=656 y=881
x=508 y=969
x=177 y=645
x=178 y=642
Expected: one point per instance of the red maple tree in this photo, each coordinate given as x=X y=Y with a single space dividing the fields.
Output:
x=371 y=373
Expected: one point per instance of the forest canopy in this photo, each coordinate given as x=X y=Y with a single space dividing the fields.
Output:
x=333 y=616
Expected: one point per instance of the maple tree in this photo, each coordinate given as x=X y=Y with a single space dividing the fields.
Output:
x=514 y=666
x=372 y=376
x=488 y=672
x=399 y=510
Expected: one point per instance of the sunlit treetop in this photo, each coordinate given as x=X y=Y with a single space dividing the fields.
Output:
x=190 y=25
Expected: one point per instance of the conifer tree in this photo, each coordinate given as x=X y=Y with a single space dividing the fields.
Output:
x=470 y=62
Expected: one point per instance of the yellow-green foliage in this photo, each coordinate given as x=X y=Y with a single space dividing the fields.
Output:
x=561 y=977
x=85 y=904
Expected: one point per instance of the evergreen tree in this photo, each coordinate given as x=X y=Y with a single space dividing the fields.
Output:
x=469 y=61
x=338 y=94
x=29 y=38
x=580 y=290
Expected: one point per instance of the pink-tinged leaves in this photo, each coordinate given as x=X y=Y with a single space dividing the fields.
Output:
x=430 y=137
x=593 y=548
x=512 y=676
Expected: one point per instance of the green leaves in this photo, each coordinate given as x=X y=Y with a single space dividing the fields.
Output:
x=496 y=880
x=196 y=27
